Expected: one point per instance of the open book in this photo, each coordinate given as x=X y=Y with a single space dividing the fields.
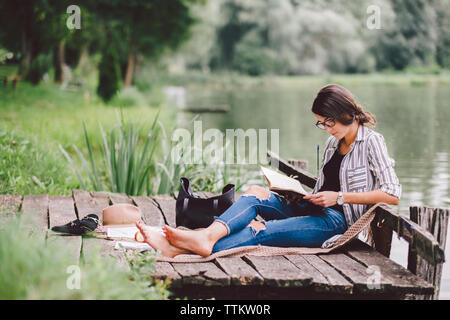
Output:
x=283 y=184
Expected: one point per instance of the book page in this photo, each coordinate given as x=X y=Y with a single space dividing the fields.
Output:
x=127 y=232
x=124 y=245
x=278 y=181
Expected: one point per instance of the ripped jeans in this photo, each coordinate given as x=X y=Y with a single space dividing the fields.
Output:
x=286 y=224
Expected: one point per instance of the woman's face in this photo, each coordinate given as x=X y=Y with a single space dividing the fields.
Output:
x=334 y=127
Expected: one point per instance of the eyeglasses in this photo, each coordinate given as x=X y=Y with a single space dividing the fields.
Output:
x=327 y=123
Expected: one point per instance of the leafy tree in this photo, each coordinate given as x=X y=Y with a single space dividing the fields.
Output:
x=443 y=33
x=31 y=28
x=143 y=27
x=411 y=39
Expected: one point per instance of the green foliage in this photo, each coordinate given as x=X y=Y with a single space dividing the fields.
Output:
x=33 y=268
x=320 y=36
x=129 y=97
x=27 y=168
x=109 y=74
x=129 y=167
x=30 y=135
x=39 y=66
x=252 y=58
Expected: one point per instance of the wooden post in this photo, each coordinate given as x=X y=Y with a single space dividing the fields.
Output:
x=381 y=237
x=434 y=220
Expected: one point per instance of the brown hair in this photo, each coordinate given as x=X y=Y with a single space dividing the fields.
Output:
x=335 y=102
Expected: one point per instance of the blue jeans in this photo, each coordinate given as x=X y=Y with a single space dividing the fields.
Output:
x=286 y=224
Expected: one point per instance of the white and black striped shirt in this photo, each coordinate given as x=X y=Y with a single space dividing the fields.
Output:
x=366 y=167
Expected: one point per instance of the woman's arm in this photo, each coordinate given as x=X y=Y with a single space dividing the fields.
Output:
x=329 y=198
x=369 y=197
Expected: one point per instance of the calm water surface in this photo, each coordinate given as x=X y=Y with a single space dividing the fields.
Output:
x=413 y=120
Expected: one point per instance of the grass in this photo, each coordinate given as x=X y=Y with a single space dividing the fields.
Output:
x=27 y=168
x=34 y=120
x=33 y=268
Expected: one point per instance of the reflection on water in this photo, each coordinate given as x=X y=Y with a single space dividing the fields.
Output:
x=413 y=121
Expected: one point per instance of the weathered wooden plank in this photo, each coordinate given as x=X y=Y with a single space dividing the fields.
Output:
x=92 y=247
x=97 y=194
x=422 y=241
x=400 y=280
x=277 y=271
x=434 y=220
x=364 y=279
x=9 y=206
x=325 y=277
x=164 y=270
x=35 y=207
x=120 y=198
x=241 y=273
x=204 y=274
x=61 y=210
x=382 y=237
x=86 y=204
x=151 y=214
x=163 y=197
x=167 y=206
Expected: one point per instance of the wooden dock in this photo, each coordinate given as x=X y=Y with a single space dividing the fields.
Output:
x=358 y=271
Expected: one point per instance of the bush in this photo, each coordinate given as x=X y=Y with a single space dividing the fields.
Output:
x=109 y=75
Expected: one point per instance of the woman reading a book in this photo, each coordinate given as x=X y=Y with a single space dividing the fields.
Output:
x=356 y=172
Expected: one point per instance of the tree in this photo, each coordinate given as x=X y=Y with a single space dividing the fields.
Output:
x=411 y=39
x=109 y=74
x=30 y=28
x=143 y=27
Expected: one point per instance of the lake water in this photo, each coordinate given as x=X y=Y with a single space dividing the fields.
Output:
x=413 y=120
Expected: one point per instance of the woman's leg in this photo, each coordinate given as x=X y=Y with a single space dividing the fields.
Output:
x=256 y=200
x=303 y=231
x=159 y=242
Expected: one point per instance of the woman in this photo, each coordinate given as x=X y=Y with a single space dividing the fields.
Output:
x=356 y=171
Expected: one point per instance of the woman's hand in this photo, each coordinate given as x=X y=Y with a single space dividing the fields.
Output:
x=324 y=198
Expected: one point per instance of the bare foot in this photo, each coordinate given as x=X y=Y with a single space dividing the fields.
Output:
x=158 y=242
x=196 y=241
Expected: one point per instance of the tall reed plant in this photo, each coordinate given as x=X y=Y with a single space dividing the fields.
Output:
x=211 y=174
x=128 y=162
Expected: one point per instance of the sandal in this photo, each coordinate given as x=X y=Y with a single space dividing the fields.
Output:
x=79 y=227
